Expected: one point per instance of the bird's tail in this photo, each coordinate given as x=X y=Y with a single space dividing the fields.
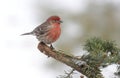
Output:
x=29 y=33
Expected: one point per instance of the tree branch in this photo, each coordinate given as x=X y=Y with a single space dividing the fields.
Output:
x=72 y=61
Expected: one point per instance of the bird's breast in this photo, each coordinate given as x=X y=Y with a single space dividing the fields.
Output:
x=54 y=33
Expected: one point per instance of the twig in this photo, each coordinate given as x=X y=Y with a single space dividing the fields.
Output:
x=69 y=74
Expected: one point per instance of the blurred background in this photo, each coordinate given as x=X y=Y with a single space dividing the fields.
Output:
x=19 y=56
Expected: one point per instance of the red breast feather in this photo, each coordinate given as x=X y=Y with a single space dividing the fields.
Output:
x=54 y=33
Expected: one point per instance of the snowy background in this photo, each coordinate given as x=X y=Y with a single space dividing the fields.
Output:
x=19 y=56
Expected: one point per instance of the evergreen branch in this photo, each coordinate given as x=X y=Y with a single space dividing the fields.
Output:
x=72 y=61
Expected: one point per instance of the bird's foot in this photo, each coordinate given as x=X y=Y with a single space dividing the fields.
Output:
x=51 y=46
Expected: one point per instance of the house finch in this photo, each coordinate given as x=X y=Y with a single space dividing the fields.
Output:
x=49 y=31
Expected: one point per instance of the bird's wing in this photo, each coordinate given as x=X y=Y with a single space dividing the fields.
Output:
x=42 y=29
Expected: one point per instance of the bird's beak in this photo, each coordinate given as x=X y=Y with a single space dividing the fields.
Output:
x=60 y=21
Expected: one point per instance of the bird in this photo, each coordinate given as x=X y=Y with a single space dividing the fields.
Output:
x=49 y=31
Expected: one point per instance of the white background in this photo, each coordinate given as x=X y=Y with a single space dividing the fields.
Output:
x=19 y=56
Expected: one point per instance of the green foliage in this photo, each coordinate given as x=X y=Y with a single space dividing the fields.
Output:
x=92 y=72
x=98 y=45
x=101 y=53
